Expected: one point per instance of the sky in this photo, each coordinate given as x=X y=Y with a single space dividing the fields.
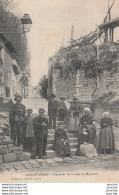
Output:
x=52 y=23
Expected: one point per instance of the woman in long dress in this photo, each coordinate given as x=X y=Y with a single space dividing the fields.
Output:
x=74 y=120
x=87 y=120
x=84 y=147
x=61 y=142
x=106 y=143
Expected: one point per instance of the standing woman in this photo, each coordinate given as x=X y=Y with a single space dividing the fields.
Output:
x=74 y=120
x=106 y=142
x=87 y=120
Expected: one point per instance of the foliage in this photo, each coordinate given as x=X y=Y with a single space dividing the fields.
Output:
x=102 y=101
x=86 y=59
x=11 y=23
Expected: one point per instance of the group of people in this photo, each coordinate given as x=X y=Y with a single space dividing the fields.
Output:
x=27 y=131
x=32 y=133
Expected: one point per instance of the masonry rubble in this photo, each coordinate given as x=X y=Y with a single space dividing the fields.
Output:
x=4 y=122
x=9 y=152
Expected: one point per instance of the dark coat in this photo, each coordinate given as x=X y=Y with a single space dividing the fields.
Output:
x=59 y=146
x=38 y=129
x=86 y=119
x=16 y=110
x=24 y=81
x=106 y=135
x=60 y=134
x=105 y=122
x=82 y=138
x=52 y=107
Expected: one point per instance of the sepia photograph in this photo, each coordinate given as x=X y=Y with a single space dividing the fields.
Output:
x=59 y=91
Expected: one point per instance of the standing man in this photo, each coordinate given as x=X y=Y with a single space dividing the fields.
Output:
x=41 y=133
x=45 y=87
x=62 y=109
x=17 y=120
x=24 y=81
x=52 y=111
x=29 y=132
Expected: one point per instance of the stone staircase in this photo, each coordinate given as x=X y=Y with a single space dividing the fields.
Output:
x=35 y=104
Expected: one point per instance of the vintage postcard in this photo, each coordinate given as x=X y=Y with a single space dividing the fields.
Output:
x=59 y=91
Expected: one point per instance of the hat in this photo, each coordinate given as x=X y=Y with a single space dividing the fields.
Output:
x=106 y=113
x=75 y=98
x=87 y=109
x=29 y=110
x=16 y=96
x=61 y=123
x=53 y=96
x=84 y=126
x=62 y=98
x=41 y=110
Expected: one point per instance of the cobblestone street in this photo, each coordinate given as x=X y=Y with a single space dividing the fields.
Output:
x=102 y=162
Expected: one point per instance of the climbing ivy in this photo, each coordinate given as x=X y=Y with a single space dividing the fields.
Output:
x=70 y=61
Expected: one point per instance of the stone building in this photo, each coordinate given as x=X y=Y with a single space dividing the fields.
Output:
x=74 y=82
x=68 y=77
x=9 y=70
x=10 y=74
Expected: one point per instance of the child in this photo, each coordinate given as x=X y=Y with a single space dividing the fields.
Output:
x=29 y=132
x=62 y=109
x=85 y=148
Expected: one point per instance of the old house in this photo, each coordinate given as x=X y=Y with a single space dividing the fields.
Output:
x=10 y=75
x=9 y=69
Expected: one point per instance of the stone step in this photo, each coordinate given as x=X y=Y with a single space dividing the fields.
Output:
x=35 y=103
x=51 y=153
x=72 y=145
x=71 y=140
x=51 y=136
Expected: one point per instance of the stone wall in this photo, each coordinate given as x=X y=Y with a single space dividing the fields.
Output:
x=65 y=88
x=80 y=85
x=68 y=86
x=8 y=152
x=8 y=70
x=84 y=87
x=4 y=123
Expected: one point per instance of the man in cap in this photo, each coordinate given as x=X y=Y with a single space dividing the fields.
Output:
x=24 y=81
x=52 y=111
x=18 y=112
x=41 y=133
